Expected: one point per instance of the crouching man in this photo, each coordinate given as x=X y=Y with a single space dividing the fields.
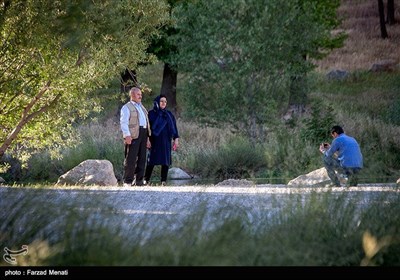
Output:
x=343 y=156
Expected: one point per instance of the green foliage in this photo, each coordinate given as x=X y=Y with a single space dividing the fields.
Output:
x=55 y=53
x=160 y=45
x=235 y=159
x=40 y=167
x=317 y=126
x=228 y=68
x=392 y=155
x=244 y=54
x=324 y=12
x=288 y=155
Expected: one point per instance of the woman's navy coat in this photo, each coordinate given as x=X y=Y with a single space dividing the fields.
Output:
x=163 y=130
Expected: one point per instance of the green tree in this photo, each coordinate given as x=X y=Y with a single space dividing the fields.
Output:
x=165 y=49
x=312 y=23
x=239 y=57
x=54 y=53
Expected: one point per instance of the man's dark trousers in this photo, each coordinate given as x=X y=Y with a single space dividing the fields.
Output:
x=135 y=158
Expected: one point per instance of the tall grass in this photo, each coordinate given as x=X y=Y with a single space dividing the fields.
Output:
x=90 y=141
x=236 y=159
x=321 y=230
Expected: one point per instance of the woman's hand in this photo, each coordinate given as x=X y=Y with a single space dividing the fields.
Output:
x=175 y=146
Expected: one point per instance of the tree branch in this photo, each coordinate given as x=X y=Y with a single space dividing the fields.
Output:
x=11 y=99
x=81 y=57
x=25 y=117
x=44 y=108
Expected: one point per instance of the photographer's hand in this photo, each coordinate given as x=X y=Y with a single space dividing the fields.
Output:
x=324 y=147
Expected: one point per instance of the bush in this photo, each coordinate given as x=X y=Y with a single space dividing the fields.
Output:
x=317 y=126
x=41 y=168
x=288 y=155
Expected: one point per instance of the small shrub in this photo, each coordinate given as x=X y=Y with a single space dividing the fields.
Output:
x=40 y=167
x=288 y=155
x=317 y=127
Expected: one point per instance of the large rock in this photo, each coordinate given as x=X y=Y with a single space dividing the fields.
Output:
x=316 y=177
x=90 y=172
x=177 y=173
x=338 y=75
x=387 y=65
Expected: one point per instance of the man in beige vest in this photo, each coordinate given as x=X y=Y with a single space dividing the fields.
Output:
x=135 y=128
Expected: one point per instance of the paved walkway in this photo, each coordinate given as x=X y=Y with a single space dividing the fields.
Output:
x=158 y=209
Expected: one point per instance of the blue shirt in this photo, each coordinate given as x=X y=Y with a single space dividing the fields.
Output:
x=349 y=153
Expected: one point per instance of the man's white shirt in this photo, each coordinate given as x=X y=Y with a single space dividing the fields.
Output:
x=124 y=119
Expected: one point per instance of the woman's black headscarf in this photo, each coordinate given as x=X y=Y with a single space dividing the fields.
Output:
x=163 y=117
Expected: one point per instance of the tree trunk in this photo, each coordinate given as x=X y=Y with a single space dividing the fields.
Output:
x=251 y=127
x=298 y=94
x=390 y=12
x=168 y=87
x=384 y=34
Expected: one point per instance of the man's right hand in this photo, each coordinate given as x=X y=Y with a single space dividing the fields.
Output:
x=128 y=140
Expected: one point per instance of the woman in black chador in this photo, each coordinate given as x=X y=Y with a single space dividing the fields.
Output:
x=164 y=138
